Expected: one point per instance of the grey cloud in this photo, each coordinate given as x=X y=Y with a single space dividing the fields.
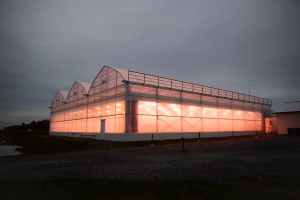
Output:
x=235 y=45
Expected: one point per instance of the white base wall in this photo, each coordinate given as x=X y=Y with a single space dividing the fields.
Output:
x=156 y=136
x=287 y=120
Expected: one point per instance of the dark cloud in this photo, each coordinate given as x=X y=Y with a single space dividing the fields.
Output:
x=235 y=45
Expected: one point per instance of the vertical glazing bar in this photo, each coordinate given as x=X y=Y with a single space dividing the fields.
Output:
x=144 y=79
x=126 y=107
x=156 y=97
x=158 y=80
x=181 y=120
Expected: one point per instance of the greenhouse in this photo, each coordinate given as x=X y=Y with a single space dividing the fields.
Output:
x=125 y=105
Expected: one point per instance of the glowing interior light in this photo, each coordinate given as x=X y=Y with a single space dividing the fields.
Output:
x=108 y=106
x=159 y=108
x=118 y=109
x=99 y=112
x=154 y=104
x=141 y=106
x=118 y=104
x=89 y=110
x=239 y=112
x=97 y=108
x=107 y=111
x=148 y=109
x=204 y=108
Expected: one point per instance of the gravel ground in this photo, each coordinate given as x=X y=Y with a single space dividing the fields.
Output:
x=225 y=160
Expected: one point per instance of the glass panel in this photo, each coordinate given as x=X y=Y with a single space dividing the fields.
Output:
x=238 y=125
x=106 y=79
x=225 y=113
x=110 y=124
x=190 y=97
x=120 y=106
x=209 y=100
x=168 y=94
x=90 y=125
x=210 y=125
x=191 y=110
x=169 y=109
x=224 y=102
x=249 y=125
x=169 y=124
x=190 y=124
x=96 y=125
x=209 y=112
x=142 y=91
x=258 y=125
x=237 y=114
x=110 y=107
x=147 y=123
x=225 y=125
x=249 y=115
x=257 y=116
x=120 y=124
x=146 y=108
x=237 y=104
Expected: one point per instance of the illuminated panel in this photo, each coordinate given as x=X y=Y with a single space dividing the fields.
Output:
x=210 y=125
x=147 y=120
x=173 y=117
x=191 y=124
x=147 y=124
x=225 y=125
x=169 y=124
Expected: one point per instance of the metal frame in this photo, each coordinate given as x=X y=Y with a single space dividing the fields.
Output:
x=162 y=82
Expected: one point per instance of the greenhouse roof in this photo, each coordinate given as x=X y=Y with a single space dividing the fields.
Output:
x=85 y=85
x=64 y=94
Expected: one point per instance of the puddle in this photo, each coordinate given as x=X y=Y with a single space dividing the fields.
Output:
x=7 y=150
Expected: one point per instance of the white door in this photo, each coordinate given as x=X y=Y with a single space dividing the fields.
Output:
x=102 y=132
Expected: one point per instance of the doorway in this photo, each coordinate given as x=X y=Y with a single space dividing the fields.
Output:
x=102 y=131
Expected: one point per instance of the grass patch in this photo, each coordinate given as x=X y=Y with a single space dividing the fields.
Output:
x=40 y=142
x=263 y=188
x=20 y=133
x=45 y=144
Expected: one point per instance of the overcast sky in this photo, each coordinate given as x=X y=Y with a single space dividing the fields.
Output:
x=46 y=45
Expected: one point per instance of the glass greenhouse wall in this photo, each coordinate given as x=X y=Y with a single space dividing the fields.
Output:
x=126 y=105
